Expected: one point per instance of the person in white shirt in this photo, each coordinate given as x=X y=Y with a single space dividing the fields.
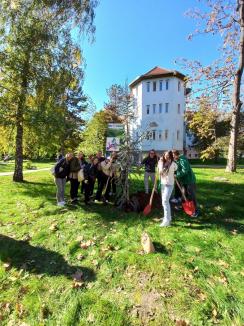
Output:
x=166 y=169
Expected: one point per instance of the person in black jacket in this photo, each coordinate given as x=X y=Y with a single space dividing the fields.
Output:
x=150 y=163
x=61 y=170
x=90 y=174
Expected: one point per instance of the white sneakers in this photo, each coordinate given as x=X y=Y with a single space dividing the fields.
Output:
x=61 y=203
x=164 y=223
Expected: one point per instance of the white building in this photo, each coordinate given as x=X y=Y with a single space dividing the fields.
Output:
x=159 y=109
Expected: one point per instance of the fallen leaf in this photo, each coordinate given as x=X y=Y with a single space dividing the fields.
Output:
x=20 y=309
x=196 y=269
x=234 y=231
x=223 y=264
x=214 y=313
x=7 y=266
x=80 y=257
x=95 y=262
x=53 y=227
x=181 y=322
x=86 y=244
x=223 y=279
x=202 y=296
x=91 y=318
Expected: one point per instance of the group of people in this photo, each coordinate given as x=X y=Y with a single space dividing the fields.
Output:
x=171 y=166
x=97 y=167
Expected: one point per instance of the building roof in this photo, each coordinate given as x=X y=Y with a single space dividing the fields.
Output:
x=157 y=72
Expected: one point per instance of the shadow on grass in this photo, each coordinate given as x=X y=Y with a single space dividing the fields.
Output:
x=160 y=248
x=38 y=260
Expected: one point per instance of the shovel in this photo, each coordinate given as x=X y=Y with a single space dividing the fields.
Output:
x=148 y=208
x=188 y=205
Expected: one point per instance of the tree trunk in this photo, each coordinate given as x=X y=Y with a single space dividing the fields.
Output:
x=232 y=151
x=18 y=170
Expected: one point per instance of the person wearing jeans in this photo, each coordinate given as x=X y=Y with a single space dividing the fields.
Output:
x=73 y=177
x=166 y=169
x=61 y=171
x=150 y=163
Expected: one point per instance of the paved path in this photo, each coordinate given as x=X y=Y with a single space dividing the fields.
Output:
x=25 y=171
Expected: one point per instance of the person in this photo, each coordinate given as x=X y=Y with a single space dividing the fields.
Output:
x=150 y=163
x=166 y=169
x=114 y=173
x=83 y=163
x=73 y=177
x=186 y=178
x=90 y=173
x=105 y=177
x=100 y=177
x=59 y=157
x=61 y=171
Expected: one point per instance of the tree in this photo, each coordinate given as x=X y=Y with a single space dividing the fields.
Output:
x=222 y=77
x=33 y=36
x=208 y=126
x=94 y=135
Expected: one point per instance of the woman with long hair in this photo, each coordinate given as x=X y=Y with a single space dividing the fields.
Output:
x=166 y=169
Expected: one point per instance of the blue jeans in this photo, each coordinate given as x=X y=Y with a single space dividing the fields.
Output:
x=166 y=191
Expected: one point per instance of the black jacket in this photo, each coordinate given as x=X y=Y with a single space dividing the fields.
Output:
x=150 y=163
x=62 y=169
x=90 y=171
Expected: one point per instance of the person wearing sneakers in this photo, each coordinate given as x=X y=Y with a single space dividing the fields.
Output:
x=166 y=170
x=187 y=178
x=61 y=171
x=73 y=177
x=150 y=163
x=105 y=184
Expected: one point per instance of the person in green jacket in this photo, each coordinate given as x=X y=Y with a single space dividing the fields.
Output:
x=186 y=177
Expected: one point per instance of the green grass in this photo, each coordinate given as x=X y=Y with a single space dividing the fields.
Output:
x=196 y=274
x=9 y=165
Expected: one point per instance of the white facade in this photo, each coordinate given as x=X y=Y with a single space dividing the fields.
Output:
x=159 y=111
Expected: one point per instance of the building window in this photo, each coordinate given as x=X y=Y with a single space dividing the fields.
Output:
x=148 y=109
x=154 y=108
x=148 y=86
x=167 y=84
x=154 y=86
x=189 y=155
x=153 y=134
x=179 y=86
x=148 y=135
x=160 y=85
x=160 y=135
x=160 y=108
x=166 y=134
x=179 y=108
x=178 y=135
x=196 y=155
x=166 y=107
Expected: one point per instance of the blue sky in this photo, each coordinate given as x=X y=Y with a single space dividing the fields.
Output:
x=133 y=36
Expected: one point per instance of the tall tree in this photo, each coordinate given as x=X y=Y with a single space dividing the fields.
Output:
x=209 y=127
x=32 y=36
x=223 y=76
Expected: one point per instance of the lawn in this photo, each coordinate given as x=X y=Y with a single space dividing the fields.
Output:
x=194 y=278
x=9 y=165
